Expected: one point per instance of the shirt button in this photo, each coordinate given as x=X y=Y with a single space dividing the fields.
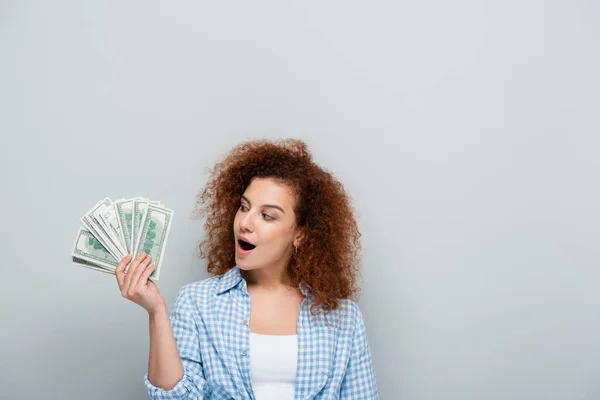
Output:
x=244 y=353
x=246 y=322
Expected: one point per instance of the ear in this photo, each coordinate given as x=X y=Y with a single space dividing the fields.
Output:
x=299 y=237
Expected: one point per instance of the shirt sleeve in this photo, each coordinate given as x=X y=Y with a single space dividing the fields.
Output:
x=359 y=382
x=192 y=384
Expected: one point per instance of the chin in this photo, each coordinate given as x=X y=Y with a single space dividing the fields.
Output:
x=244 y=265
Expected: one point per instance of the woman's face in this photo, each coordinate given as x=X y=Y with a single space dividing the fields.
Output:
x=266 y=220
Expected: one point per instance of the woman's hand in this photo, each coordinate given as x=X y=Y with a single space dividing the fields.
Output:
x=136 y=286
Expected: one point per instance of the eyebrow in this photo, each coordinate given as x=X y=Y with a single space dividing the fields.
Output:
x=264 y=205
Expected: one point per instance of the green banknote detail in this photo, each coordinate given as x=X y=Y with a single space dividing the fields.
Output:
x=149 y=239
x=96 y=245
x=91 y=250
x=128 y=217
x=154 y=234
x=124 y=214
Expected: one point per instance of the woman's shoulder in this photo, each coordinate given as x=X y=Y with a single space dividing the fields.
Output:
x=347 y=315
x=206 y=289
x=200 y=289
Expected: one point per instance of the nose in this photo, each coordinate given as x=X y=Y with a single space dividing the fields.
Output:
x=246 y=223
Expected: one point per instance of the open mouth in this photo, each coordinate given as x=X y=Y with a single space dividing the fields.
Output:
x=245 y=245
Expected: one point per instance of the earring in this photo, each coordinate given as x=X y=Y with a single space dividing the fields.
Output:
x=296 y=249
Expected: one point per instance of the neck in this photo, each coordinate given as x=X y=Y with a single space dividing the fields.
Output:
x=266 y=278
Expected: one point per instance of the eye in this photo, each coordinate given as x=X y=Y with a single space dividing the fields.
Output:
x=267 y=217
x=242 y=207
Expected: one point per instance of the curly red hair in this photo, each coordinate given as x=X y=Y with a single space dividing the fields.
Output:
x=329 y=255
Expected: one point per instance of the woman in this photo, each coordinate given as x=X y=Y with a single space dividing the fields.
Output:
x=278 y=318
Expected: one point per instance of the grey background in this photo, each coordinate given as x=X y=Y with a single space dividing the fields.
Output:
x=467 y=133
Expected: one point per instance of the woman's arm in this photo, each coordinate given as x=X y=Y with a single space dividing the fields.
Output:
x=359 y=382
x=175 y=363
x=164 y=365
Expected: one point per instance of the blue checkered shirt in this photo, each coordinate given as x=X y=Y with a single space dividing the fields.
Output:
x=210 y=324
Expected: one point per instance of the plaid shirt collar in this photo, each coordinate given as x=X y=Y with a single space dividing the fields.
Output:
x=234 y=279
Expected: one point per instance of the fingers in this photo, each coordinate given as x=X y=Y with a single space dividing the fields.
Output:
x=119 y=272
x=139 y=270
x=129 y=275
x=146 y=274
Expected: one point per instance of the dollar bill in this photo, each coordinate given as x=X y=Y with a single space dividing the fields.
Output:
x=108 y=229
x=89 y=249
x=90 y=222
x=123 y=210
x=140 y=207
x=154 y=234
x=110 y=219
x=90 y=265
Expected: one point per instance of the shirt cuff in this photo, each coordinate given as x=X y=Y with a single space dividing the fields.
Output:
x=184 y=389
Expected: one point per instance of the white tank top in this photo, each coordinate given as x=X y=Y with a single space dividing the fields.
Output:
x=273 y=360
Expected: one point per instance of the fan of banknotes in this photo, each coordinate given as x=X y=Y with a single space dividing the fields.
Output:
x=111 y=230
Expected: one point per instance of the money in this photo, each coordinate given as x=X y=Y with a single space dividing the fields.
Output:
x=111 y=230
x=139 y=209
x=124 y=208
x=154 y=234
